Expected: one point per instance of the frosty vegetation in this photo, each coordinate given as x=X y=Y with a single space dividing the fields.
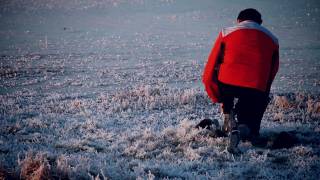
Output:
x=116 y=94
x=145 y=132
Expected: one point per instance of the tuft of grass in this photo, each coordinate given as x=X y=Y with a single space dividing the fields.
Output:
x=35 y=167
x=313 y=107
x=295 y=107
x=282 y=102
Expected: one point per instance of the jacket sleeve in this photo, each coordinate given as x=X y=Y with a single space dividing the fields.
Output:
x=274 y=68
x=210 y=75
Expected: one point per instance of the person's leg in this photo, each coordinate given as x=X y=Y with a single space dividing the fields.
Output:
x=250 y=108
x=261 y=103
x=228 y=93
x=227 y=98
x=227 y=104
x=241 y=109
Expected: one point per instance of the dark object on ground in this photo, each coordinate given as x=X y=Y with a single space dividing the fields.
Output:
x=220 y=133
x=284 y=140
x=213 y=126
x=274 y=140
x=259 y=141
x=207 y=124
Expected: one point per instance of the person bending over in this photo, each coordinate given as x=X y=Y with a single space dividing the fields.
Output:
x=239 y=72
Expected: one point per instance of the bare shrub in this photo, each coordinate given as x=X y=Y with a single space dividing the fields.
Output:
x=62 y=167
x=35 y=167
x=279 y=116
x=300 y=99
x=282 y=102
x=313 y=107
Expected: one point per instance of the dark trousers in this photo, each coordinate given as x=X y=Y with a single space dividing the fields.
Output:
x=249 y=108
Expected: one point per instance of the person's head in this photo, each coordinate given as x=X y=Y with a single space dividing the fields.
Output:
x=250 y=14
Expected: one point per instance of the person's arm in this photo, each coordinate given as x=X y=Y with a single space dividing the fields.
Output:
x=209 y=77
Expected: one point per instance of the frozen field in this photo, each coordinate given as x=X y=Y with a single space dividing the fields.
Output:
x=111 y=89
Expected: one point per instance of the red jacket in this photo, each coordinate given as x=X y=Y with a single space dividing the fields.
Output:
x=246 y=55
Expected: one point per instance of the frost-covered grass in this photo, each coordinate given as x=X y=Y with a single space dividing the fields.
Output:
x=112 y=90
x=148 y=131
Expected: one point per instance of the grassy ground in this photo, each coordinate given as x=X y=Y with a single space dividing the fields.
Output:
x=141 y=144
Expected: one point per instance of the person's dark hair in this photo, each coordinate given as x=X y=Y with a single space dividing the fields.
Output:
x=250 y=14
